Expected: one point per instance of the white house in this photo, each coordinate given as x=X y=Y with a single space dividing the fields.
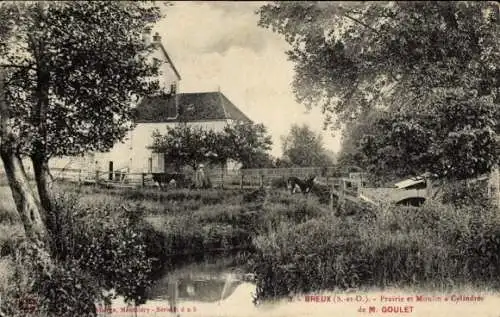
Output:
x=211 y=110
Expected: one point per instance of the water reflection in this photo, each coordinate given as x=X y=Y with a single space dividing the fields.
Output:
x=201 y=290
x=198 y=289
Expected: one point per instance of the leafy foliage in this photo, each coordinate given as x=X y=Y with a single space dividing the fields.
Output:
x=439 y=247
x=75 y=68
x=303 y=147
x=407 y=58
x=351 y=152
x=350 y=57
x=106 y=249
x=110 y=245
x=191 y=145
x=248 y=144
x=453 y=139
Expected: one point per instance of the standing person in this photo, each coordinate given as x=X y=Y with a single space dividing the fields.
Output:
x=201 y=178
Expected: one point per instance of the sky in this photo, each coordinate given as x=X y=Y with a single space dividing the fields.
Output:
x=218 y=45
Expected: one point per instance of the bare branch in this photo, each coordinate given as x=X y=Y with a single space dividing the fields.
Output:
x=361 y=23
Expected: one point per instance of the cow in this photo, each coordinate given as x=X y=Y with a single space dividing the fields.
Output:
x=173 y=179
x=305 y=186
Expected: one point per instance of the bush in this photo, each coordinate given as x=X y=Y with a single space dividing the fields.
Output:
x=101 y=247
x=41 y=286
x=110 y=244
x=460 y=194
x=279 y=183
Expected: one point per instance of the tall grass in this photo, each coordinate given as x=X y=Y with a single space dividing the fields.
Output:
x=295 y=244
x=191 y=225
x=435 y=246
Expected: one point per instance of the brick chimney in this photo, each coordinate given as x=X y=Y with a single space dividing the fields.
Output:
x=157 y=38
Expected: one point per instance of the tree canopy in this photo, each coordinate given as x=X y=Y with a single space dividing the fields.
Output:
x=353 y=56
x=248 y=144
x=408 y=59
x=71 y=72
x=304 y=147
x=74 y=71
x=190 y=145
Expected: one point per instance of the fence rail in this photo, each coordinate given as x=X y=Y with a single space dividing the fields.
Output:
x=245 y=178
x=218 y=178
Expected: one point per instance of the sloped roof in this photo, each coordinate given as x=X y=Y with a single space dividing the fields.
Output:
x=200 y=106
x=409 y=182
x=169 y=60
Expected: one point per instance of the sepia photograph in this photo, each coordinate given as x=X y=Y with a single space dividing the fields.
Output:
x=249 y=158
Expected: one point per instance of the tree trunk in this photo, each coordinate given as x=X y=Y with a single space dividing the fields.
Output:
x=43 y=182
x=27 y=205
x=53 y=220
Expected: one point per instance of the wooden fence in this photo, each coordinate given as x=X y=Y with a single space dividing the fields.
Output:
x=244 y=178
x=218 y=178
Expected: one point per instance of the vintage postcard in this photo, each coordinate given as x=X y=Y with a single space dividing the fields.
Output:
x=234 y=158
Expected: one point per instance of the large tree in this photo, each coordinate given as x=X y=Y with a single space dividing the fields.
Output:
x=72 y=71
x=189 y=145
x=304 y=147
x=402 y=57
x=25 y=200
x=352 y=136
x=248 y=144
x=453 y=140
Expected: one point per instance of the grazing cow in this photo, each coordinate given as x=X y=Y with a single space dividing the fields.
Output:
x=305 y=186
x=174 y=179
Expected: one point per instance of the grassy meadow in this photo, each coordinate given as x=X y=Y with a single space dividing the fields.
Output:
x=296 y=244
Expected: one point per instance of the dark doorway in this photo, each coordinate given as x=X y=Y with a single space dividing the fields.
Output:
x=110 y=177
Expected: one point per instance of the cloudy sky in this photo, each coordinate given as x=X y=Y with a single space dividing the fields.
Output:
x=218 y=44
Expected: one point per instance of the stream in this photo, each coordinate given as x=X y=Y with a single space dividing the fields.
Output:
x=202 y=289
x=215 y=289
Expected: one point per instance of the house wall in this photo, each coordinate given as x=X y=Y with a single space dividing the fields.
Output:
x=132 y=153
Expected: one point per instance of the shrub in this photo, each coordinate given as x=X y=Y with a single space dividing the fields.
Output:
x=460 y=194
x=101 y=247
x=110 y=245
x=279 y=182
x=41 y=286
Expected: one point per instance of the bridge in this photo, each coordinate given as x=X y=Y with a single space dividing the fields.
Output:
x=353 y=189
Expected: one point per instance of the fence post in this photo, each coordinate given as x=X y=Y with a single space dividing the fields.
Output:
x=79 y=176
x=331 y=197
x=241 y=180
x=342 y=191
x=428 y=188
x=143 y=179
x=96 y=177
x=261 y=181
x=222 y=178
